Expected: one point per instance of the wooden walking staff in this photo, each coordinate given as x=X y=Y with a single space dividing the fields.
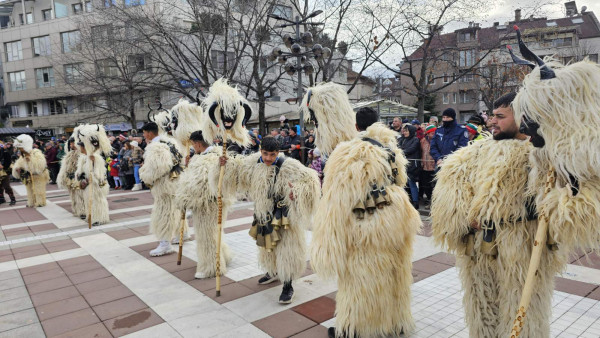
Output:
x=182 y=228
x=536 y=255
x=220 y=216
x=91 y=179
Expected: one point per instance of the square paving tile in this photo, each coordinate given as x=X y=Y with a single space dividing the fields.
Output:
x=144 y=247
x=44 y=275
x=88 y=276
x=48 y=285
x=69 y=322
x=97 y=285
x=39 y=268
x=443 y=258
x=284 y=324
x=27 y=248
x=15 y=305
x=42 y=227
x=573 y=287
x=208 y=283
x=107 y=295
x=97 y=330
x=76 y=261
x=252 y=283
x=31 y=253
x=54 y=295
x=79 y=268
x=595 y=294
x=18 y=319
x=6 y=258
x=318 y=331
x=186 y=275
x=591 y=261
x=172 y=266
x=119 y=307
x=317 y=310
x=61 y=307
x=58 y=243
x=64 y=247
x=123 y=234
x=229 y=292
x=431 y=267
x=419 y=276
x=29 y=331
x=132 y=322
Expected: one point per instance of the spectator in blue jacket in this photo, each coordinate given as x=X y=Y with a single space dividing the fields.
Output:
x=448 y=138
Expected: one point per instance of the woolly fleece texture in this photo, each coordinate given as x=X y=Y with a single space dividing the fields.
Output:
x=371 y=258
x=486 y=181
x=229 y=100
x=288 y=258
x=335 y=115
x=189 y=116
x=98 y=185
x=35 y=163
x=68 y=167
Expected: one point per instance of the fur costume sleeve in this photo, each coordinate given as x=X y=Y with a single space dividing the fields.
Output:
x=19 y=164
x=157 y=162
x=350 y=171
x=574 y=215
x=37 y=163
x=68 y=165
x=452 y=196
x=99 y=168
x=305 y=187
x=81 y=169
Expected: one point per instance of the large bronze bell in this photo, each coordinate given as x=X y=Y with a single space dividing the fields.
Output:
x=380 y=201
x=359 y=210
x=285 y=222
x=269 y=244
x=370 y=205
x=275 y=237
x=260 y=240
x=253 y=231
x=489 y=248
x=174 y=175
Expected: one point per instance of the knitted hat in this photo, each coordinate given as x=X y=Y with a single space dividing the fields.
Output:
x=316 y=152
x=430 y=129
x=415 y=121
x=471 y=128
x=134 y=143
x=450 y=113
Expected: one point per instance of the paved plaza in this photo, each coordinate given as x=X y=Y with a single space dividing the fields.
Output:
x=58 y=278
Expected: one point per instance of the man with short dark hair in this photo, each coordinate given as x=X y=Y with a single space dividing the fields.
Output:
x=50 y=153
x=161 y=169
x=448 y=138
x=292 y=145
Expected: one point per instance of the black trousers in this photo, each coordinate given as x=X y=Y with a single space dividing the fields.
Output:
x=426 y=183
x=54 y=169
x=5 y=187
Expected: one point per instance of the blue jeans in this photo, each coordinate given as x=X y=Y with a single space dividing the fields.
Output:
x=414 y=191
x=136 y=173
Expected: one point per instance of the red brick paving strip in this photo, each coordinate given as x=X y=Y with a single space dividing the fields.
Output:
x=79 y=298
x=284 y=324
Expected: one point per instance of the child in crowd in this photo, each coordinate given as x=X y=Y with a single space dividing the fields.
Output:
x=114 y=171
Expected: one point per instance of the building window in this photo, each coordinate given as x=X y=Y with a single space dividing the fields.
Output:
x=107 y=67
x=17 y=81
x=454 y=96
x=265 y=65
x=467 y=97
x=283 y=11
x=70 y=41
x=110 y=3
x=61 y=10
x=29 y=17
x=47 y=14
x=14 y=51
x=41 y=46
x=446 y=78
x=44 y=77
x=431 y=79
x=466 y=78
x=77 y=8
x=132 y=3
x=466 y=58
x=101 y=34
x=73 y=73
x=138 y=63
x=563 y=42
x=217 y=58
x=88 y=6
x=446 y=98
x=464 y=37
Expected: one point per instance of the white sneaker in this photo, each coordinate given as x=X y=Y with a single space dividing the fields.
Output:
x=200 y=275
x=163 y=248
x=137 y=187
x=186 y=237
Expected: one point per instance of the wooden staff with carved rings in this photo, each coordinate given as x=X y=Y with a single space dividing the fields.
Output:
x=90 y=181
x=534 y=264
x=220 y=217
x=182 y=227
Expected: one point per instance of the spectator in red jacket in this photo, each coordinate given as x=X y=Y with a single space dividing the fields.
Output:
x=420 y=132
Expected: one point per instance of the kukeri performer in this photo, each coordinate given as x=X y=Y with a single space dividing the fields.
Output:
x=482 y=214
x=161 y=169
x=559 y=108
x=285 y=194
x=30 y=168
x=66 y=178
x=94 y=146
x=366 y=224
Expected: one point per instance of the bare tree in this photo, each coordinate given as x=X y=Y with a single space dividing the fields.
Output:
x=496 y=79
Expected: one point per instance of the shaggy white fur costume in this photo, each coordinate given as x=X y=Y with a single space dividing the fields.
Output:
x=334 y=115
x=197 y=192
x=567 y=109
x=288 y=258
x=96 y=143
x=188 y=116
x=68 y=180
x=371 y=258
x=33 y=162
x=486 y=181
x=156 y=172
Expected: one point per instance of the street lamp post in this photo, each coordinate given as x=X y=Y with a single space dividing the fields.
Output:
x=302 y=57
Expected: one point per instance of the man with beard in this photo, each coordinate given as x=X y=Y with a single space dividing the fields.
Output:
x=448 y=138
x=481 y=213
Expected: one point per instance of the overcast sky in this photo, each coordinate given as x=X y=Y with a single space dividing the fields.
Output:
x=505 y=9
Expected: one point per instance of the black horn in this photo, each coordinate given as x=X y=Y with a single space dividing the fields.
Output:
x=198 y=97
x=97 y=127
x=546 y=72
x=211 y=113
x=247 y=114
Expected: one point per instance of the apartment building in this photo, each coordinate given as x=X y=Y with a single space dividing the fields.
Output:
x=567 y=39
